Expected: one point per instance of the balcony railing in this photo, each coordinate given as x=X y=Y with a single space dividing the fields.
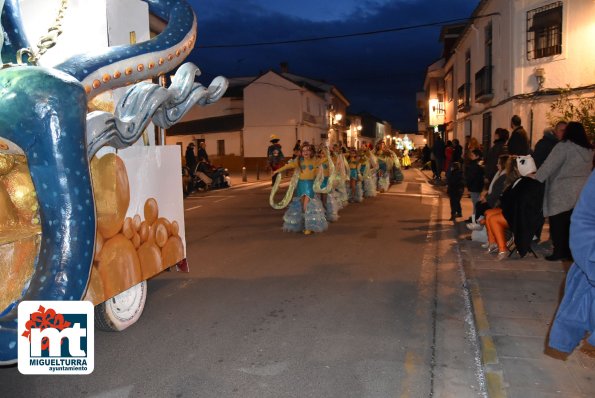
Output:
x=483 y=84
x=463 y=98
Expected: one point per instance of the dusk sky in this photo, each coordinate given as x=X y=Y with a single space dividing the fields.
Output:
x=379 y=74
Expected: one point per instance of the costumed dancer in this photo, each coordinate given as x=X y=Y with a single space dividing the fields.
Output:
x=341 y=179
x=406 y=159
x=305 y=212
x=370 y=186
x=324 y=184
x=383 y=177
x=354 y=177
x=396 y=175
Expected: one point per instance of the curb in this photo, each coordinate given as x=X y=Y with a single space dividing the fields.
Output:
x=494 y=377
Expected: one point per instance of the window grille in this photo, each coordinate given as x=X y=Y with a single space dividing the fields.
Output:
x=544 y=31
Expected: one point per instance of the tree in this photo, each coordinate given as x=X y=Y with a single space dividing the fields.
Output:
x=574 y=107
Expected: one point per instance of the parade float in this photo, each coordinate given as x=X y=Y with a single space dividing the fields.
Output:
x=90 y=202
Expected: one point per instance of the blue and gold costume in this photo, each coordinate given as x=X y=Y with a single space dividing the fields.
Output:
x=313 y=219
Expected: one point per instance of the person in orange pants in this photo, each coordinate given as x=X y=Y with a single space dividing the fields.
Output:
x=496 y=226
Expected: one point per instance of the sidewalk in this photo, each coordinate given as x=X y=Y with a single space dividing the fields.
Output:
x=514 y=302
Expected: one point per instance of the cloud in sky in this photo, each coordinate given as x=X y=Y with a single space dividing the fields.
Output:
x=379 y=74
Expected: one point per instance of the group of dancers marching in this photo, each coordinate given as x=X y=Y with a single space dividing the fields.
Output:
x=326 y=179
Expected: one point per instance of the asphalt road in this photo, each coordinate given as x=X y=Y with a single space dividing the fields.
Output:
x=352 y=312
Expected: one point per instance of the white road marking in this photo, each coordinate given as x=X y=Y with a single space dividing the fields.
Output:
x=225 y=198
x=413 y=195
x=193 y=208
x=206 y=197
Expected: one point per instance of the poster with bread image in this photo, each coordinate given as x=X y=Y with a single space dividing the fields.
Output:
x=140 y=217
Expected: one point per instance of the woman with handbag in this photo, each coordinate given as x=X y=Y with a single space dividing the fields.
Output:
x=565 y=172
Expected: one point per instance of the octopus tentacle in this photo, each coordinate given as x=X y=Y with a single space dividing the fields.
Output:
x=145 y=101
x=13 y=27
x=50 y=134
x=121 y=65
x=43 y=111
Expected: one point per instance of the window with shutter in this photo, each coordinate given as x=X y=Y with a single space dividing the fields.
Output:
x=544 y=31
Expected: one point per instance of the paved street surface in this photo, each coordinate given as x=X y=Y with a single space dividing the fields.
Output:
x=515 y=302
x=377 y=306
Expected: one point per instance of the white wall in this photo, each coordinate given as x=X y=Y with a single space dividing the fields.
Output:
x=513 y=74
x=84 y=27
x=274 y=105
x=224 y=107
x=232 y=142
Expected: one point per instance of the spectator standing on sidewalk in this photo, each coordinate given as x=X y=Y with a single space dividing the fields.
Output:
x=448 y=151
x=426 y=154
x=438 y=152
x=518 y=144
x=565 y=172
x=190 y=158
x=544 y=146
x=457 y=152
x=574 y=318
x=202 y=153
x=474 y=178
x=296 y=149
x=498 y=149
x=275 y=156
x=455 y=189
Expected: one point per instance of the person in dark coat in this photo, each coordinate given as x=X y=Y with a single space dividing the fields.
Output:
x=426 y=154
x=518 y=144
x=457 y=153
x=191 y=161
x=545 y=145
x=498 y=149
x=438 y=152
x=455 y=189
x=474 y=177
x=202 y=153
x=275 y=157
x=521 y=206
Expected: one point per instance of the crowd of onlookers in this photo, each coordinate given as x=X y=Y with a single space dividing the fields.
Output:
x=513 y=187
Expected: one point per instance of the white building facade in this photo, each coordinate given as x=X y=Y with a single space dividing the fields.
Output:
x=238 y=128
x=514 y=57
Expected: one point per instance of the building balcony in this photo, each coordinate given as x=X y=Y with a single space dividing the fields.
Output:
x=483 y=84
x=463 y=98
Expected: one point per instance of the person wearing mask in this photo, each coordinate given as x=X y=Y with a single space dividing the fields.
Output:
x=520 y=209
x=564 y=172
x=498 y=149
x=518 y=143
x=544 y=146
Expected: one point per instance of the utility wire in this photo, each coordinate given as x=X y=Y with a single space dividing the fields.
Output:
x=359 y=34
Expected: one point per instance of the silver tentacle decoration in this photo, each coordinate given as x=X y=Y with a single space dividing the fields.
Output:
x=143 y=101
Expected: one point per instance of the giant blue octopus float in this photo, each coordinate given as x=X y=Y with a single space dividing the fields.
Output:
x=44 y=112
